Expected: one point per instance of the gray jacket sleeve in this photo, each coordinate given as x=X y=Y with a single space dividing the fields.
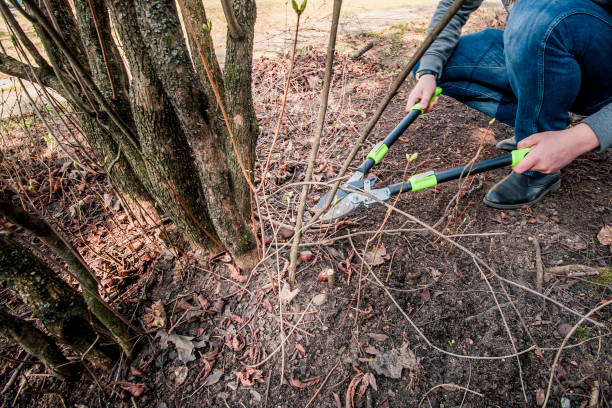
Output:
x=601 y=123
x=441 y=49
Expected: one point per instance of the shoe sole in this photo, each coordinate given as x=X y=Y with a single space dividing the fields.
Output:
x=554 y=187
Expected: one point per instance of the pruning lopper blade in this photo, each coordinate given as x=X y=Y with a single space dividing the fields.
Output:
x=350 y=196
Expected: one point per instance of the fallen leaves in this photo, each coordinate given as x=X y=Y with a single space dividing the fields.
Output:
x=135 y=389
x=286 y=294
x=235 y=274
x=366 y=380
x=376 y=256
x=605 y=236
x=184 y=345
x=392 y=364
x=294 y=382
x=155 y=316
x=249 y=375
x=378 y=336
x=180 y=375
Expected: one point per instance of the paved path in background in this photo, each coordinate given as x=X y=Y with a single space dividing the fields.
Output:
x=267 y=42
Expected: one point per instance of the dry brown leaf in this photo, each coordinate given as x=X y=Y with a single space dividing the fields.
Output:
x=605 y=235
x=185 y=305
x=337 y=400
x=136 y=372
x=213 y=378
x=155 y=316
x=540 y=396
x=294 y=382
x=391 y=364
x=218 y=306
x=183 y=344
x=204 y=303
x=249 y=375
x=286 y=294
x=135 y=389
x=378 y=336
x=371 y=350
x=376 y=256
x=301 y=350
x=235 y=274
x=350 y=391
x=180 y=375
x=371 y=381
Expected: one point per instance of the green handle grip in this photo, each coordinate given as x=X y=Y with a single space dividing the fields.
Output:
x=437 y=93
x=518 y=155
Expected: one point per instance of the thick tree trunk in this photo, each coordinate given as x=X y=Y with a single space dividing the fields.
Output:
x=118 y=329
x=168 y=161
x=234 y=89
x=59 y=307
x=238 y=80
x=161 y=31
x=37 y=344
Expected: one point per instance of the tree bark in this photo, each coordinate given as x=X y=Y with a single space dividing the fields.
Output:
x=127 y=169
x=238 y=80
x=118 y=329
x=168 y=163
x=59 y=307
x=37 y=344
x=160 y=27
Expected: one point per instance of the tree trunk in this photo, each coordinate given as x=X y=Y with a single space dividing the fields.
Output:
x=118 y=329
x=59 y=307
x=238 y=79
x=37 y=344
x=163 y=36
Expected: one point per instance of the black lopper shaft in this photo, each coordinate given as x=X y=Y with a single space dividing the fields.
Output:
x=457 y=172
x=391 y=138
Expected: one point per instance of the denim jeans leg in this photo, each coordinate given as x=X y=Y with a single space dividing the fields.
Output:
x=475 y=75
x=558 y=58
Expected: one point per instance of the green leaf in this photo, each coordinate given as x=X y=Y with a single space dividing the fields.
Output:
x=295 y=6
x=303 y=6
x=207 y=26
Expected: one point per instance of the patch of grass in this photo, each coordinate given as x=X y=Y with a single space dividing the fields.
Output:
x=582 y=333
x=604 y=278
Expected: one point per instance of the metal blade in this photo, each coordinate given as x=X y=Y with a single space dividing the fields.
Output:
x=353 y=200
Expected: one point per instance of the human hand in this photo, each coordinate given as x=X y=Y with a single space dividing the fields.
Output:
x=551 y=151
x=422 y=92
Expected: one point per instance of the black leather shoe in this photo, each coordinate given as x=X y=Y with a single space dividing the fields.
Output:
x=507 y=144
x=517 y=190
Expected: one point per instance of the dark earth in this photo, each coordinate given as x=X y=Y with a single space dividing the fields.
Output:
x=346 y=340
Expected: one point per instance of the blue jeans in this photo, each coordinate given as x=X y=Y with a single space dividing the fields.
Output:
x=553 y=57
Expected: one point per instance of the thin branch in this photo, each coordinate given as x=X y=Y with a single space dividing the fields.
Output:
x=565 y=340
x=232 y=24
x=329 y=64
x=447 y=386
x=13 y=67
x=23 y=38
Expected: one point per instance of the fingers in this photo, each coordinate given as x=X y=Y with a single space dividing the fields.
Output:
x=529 y=141
x=426 y=95
x=413 y=98
x=422 y=93
x=527 y=163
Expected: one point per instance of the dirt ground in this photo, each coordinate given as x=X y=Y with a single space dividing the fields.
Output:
x=439 y=321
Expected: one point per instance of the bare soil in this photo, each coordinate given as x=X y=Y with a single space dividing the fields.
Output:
x=321 y=346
